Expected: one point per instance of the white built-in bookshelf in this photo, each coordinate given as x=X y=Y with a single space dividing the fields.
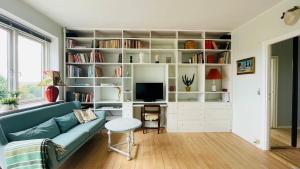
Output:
x=101 y=67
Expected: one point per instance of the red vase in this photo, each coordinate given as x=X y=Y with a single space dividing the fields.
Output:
x=51 y=93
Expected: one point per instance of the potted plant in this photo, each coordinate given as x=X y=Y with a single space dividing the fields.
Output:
x=188 y=82
x=10 y=102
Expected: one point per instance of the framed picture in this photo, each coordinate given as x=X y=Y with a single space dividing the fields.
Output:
x=246 y=66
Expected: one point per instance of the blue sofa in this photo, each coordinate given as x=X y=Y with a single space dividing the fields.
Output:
x=71 y=140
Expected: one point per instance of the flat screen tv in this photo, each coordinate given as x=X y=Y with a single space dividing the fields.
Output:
x=149 y=91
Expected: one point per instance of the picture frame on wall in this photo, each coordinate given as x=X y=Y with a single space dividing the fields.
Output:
x=246 y=66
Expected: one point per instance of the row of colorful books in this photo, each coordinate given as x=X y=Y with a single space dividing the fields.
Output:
x=129 y=43
x=116 y=43
x=80 y=57
x=75 y=71
x=79 y=96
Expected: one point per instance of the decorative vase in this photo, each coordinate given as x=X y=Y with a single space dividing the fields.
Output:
x=141 y=55
x=51 y=93
x=187 y=88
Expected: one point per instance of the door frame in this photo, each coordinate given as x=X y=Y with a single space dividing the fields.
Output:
x=266 y=53
x=274 y=96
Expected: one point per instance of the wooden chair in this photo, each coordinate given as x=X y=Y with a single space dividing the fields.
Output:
x=150 y=113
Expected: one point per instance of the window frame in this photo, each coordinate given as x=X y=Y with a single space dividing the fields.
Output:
x=12 y=69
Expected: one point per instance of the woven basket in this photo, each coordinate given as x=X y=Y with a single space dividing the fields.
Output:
x=189 y=44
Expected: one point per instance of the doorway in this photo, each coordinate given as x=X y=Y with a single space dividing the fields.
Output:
x=284 y=133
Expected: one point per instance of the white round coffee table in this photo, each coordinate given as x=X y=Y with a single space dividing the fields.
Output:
x=124 y=125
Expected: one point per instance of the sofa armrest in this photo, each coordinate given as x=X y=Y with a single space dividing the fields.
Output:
x=52 y=161
x=100 y=114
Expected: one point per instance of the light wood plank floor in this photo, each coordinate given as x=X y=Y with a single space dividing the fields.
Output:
x=280 y=141
x=175 y=151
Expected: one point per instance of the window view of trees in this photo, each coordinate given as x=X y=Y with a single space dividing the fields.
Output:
x=28 y=69
x=30 y=54
x=3 y=63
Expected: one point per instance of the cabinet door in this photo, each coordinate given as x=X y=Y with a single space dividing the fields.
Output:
x=218 y=120
x=172 y=121
x=127 y=110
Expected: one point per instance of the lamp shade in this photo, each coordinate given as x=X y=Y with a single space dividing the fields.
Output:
x=51 y=78
x=214 y=74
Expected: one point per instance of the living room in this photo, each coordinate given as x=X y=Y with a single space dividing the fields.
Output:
x=149 y=84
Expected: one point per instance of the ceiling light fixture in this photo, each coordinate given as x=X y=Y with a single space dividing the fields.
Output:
x=291 y=16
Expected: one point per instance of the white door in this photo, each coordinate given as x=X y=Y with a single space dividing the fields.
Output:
x=274 y=91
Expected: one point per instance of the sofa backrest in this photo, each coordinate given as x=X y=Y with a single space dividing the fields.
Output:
x=30 y=118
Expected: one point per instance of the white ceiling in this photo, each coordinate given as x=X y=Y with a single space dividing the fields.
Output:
x=152 y=14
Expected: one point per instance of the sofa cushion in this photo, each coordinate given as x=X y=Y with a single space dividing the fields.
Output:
x=48 y=129
x=71 y=140
x=93 y=126
x=66 y=122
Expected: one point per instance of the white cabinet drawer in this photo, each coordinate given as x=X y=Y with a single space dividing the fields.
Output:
x=190 y=126
x=172 y=125
x=191 y=114
x=221 y=126
x=172 y=116
x=218 y=114
x=218 y=105
x=189 y=105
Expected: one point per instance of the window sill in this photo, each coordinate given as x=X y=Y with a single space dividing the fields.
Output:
x=28 y=106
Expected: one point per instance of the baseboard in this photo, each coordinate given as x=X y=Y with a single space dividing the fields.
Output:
x=286 y=127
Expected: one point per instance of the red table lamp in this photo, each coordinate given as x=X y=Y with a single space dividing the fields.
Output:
x=51 y=79
x=214 y=74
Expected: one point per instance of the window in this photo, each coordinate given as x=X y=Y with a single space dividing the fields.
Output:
x=23 y=59
x=30 y=68
x=4 y=35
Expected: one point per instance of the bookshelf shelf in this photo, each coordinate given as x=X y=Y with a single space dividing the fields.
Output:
x=123 y=57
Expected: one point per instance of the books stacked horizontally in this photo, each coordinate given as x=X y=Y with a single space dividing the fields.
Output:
x=115 y=43
x=75 y=71
x=80 y=57
x=118 y=72
x=79 y=96
x=129 y=43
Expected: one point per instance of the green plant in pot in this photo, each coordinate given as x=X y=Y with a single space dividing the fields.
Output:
x=10 y=102
x=188 y=82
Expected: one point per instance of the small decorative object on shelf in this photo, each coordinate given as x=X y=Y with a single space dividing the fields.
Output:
x=171 y=88
x=141 y=55
x=188 y=82
x=214 y=74
x=10 y=102
x=130 y=59
x=189 y=44
x=51 y=79
x=168 y=59
x=120 y=58
x=156 y=58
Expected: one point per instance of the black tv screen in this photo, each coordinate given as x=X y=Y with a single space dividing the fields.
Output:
x=149 y=91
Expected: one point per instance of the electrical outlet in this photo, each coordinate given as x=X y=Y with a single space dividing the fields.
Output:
x=256 y=141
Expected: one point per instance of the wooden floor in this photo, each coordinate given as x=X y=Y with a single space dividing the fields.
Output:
x=280 y=141
x=175 y=151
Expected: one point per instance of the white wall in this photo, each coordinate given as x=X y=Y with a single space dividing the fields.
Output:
x=249 y=91
x=27 y=15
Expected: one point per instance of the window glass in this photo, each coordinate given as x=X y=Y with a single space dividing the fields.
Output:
x=4 y=35
x=30 y=54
